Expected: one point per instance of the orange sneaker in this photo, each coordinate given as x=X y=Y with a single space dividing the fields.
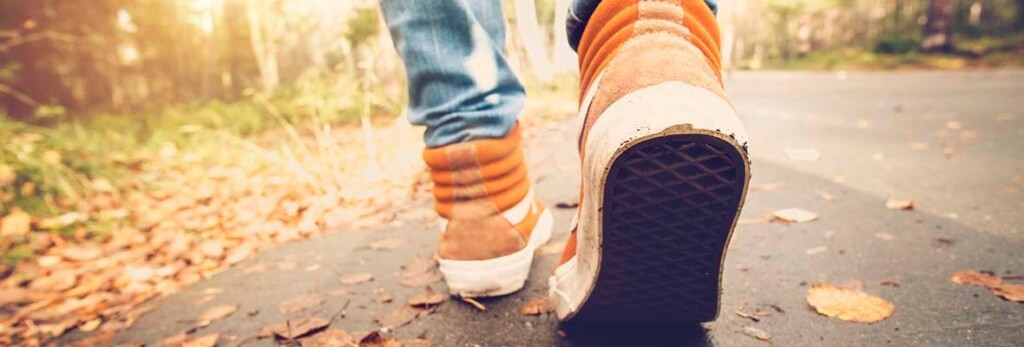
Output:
x=664 y=168
x=493 y=223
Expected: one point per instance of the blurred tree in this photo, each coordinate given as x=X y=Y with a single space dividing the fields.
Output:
x=938 y=31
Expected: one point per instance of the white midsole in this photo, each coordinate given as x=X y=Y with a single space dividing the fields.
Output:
x=669 y=108
x=498 y=276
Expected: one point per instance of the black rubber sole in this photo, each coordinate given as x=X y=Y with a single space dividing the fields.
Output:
x=669 y=207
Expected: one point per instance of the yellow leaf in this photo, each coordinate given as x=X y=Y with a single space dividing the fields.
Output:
x=848 y=305
x=90 y=325
x=17 y=223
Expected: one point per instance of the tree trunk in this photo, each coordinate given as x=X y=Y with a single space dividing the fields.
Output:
x=533 y=41
x=565 y=58
x=938 y=31
x=263 y=47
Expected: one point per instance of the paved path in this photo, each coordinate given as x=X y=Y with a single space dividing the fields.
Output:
x=969 y=216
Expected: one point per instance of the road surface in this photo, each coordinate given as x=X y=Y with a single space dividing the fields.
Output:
x=953 y=142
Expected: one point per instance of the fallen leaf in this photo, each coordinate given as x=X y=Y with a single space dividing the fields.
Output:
x=338 y=292
x=536 y=307
x=402 y=316
x=386 y=244
x=327 y=338
x=766 y=187
x=300 y=303
x=214 y=313
x=16 y=223
x=816 y=250
x=1012 y=292
x=173 y=340
x=420 y=271
x=757 y=333
x=81 y=253
x=473 y=302
x=885 y=236
x=848 y=305
x=294 y=328
x=356 y=278
x=742 y=314
x=13 y=296
x=976 y=278
x=57 y=281
x=896 y=204
x=375 y=339
x=795 y=215
x=90 y=325
x=427 y=298
x=202 y=341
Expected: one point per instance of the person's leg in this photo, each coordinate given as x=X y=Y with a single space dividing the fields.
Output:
x=460 y=85
x=664 y=169
x=462 y=89
x=581 y=10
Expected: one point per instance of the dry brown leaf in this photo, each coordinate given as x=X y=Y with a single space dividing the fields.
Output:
x=885 y=236
x=848 y=305
x=327 y=338
x=536 y=307
x=16 y=223
x=897 y=204
x=375 y=339
x=202 y=341
x=13 y=296
x=795 y=215
x=427 y=298
x=402 y=316
x=57 y=281
x=1012 y=292
x=976 y=278
x=173 y=340
x=294 y=328
x=757 y=333
x=338 y=292
x=214 y=313
x=300 y=303
x=420 y=271
x=90 y=325
x=81 y=253
x=474 y=303
x=386 y=244
x=356 y=278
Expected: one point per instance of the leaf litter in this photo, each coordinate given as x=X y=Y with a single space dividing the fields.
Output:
x=356 y=278
x=294 y=328
x=300 y=303
x=847 y=304
x=794 y=215
x=536 y=307
x=899 y=204
x=420 y=271
x=427 y=298
x=995 y=284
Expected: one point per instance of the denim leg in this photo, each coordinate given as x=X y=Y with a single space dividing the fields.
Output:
x=460 y=85
x=581 y=10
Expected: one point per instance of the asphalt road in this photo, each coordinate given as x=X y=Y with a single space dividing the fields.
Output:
x=951 y=141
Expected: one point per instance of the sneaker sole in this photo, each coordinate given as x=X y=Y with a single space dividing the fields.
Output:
x=652 y=225
x=670 y=204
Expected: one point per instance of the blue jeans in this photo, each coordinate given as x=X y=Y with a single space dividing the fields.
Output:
x=460 y=84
